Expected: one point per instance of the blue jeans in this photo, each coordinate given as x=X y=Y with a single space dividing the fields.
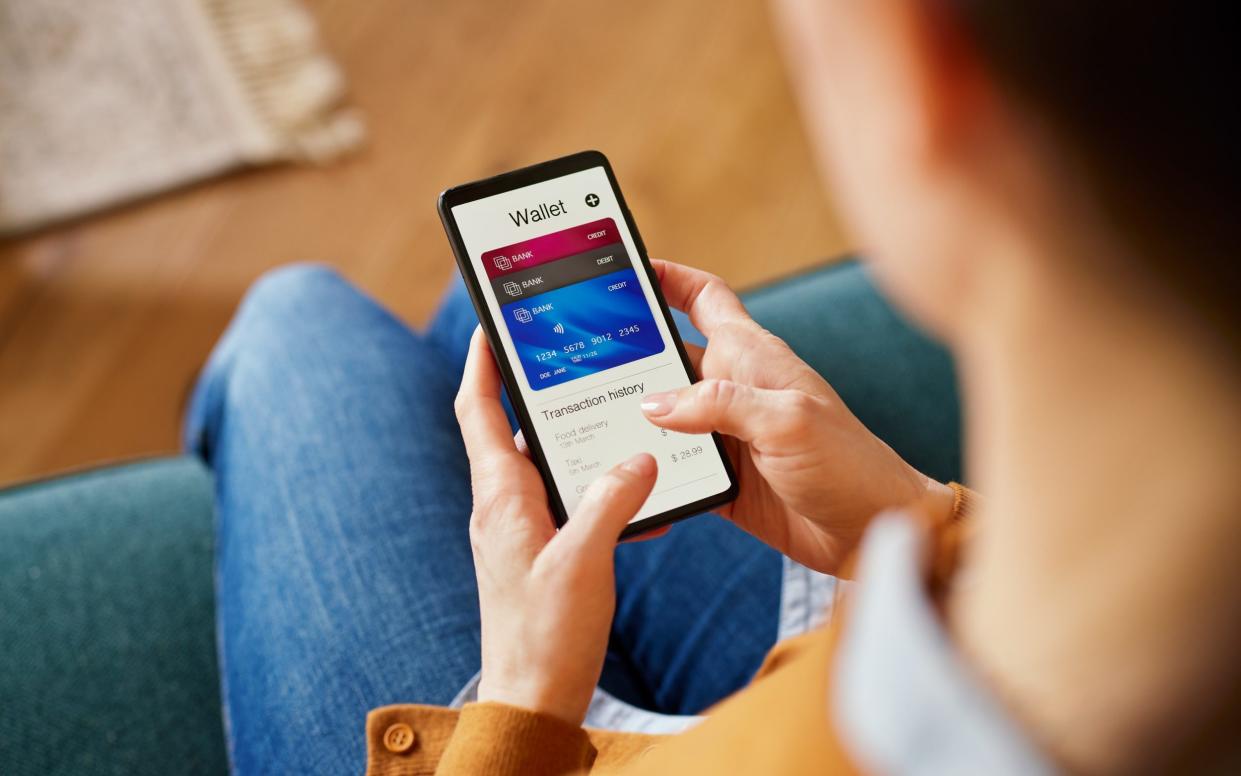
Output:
x=344 y=574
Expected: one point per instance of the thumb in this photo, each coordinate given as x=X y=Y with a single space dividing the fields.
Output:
x=738 y=410
x=608 y=505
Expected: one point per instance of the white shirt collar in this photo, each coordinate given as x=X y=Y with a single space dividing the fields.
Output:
x=904 y=699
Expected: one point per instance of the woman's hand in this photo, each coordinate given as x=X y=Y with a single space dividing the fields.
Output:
x=546 y=597
x=811 y=474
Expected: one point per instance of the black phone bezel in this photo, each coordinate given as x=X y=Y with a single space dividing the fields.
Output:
x=526 y=176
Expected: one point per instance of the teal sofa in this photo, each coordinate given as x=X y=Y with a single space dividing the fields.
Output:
x=107 y=640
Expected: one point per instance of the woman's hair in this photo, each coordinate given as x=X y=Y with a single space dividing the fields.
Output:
x=1144 y=95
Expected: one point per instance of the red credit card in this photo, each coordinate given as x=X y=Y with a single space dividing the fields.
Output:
x=550 y=247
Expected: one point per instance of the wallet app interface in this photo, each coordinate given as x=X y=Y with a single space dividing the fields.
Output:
x=582 y=330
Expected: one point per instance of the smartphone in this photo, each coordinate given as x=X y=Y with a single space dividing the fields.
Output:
x=580 y=330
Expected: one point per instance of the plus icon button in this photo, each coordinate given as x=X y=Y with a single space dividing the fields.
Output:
x=592 y=200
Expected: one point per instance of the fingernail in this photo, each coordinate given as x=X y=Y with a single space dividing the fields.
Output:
x=642 y=465
x=658 y=403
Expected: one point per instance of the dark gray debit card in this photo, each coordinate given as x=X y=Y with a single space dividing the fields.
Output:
x=560 y=273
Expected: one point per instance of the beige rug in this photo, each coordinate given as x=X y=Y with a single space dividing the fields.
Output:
x=103 y=101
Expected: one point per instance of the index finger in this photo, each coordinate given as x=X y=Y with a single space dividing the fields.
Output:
x=706 y=298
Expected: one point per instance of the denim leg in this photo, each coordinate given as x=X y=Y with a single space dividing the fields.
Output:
x=344 y=574
x=450 y=330
x=697 y=610
x=453 y=324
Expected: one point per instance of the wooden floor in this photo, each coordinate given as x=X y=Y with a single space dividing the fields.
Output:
x=104 y=322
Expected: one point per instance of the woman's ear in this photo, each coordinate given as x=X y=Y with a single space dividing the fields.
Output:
x=952 y=98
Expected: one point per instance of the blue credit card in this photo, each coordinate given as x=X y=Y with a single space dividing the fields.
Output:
x=582 y=329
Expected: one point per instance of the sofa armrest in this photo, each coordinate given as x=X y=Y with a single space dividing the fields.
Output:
x=107 y=623
x=897 y=380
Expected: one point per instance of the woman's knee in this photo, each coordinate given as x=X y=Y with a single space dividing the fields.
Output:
x=300 y=336
x=292 y=290
x=298 y=307
x=279 y=324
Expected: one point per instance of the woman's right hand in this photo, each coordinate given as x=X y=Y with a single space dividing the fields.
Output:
x=811 y=475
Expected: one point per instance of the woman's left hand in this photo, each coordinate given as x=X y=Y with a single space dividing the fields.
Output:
x=546 y=597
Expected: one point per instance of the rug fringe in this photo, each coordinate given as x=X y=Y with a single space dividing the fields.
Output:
x=274 y=50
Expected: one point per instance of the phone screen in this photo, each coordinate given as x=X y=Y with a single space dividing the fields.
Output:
x=584 y=335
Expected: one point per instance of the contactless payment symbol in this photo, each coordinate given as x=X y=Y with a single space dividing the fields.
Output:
x=512 y=289
x=523 y=315
x=502 y=263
